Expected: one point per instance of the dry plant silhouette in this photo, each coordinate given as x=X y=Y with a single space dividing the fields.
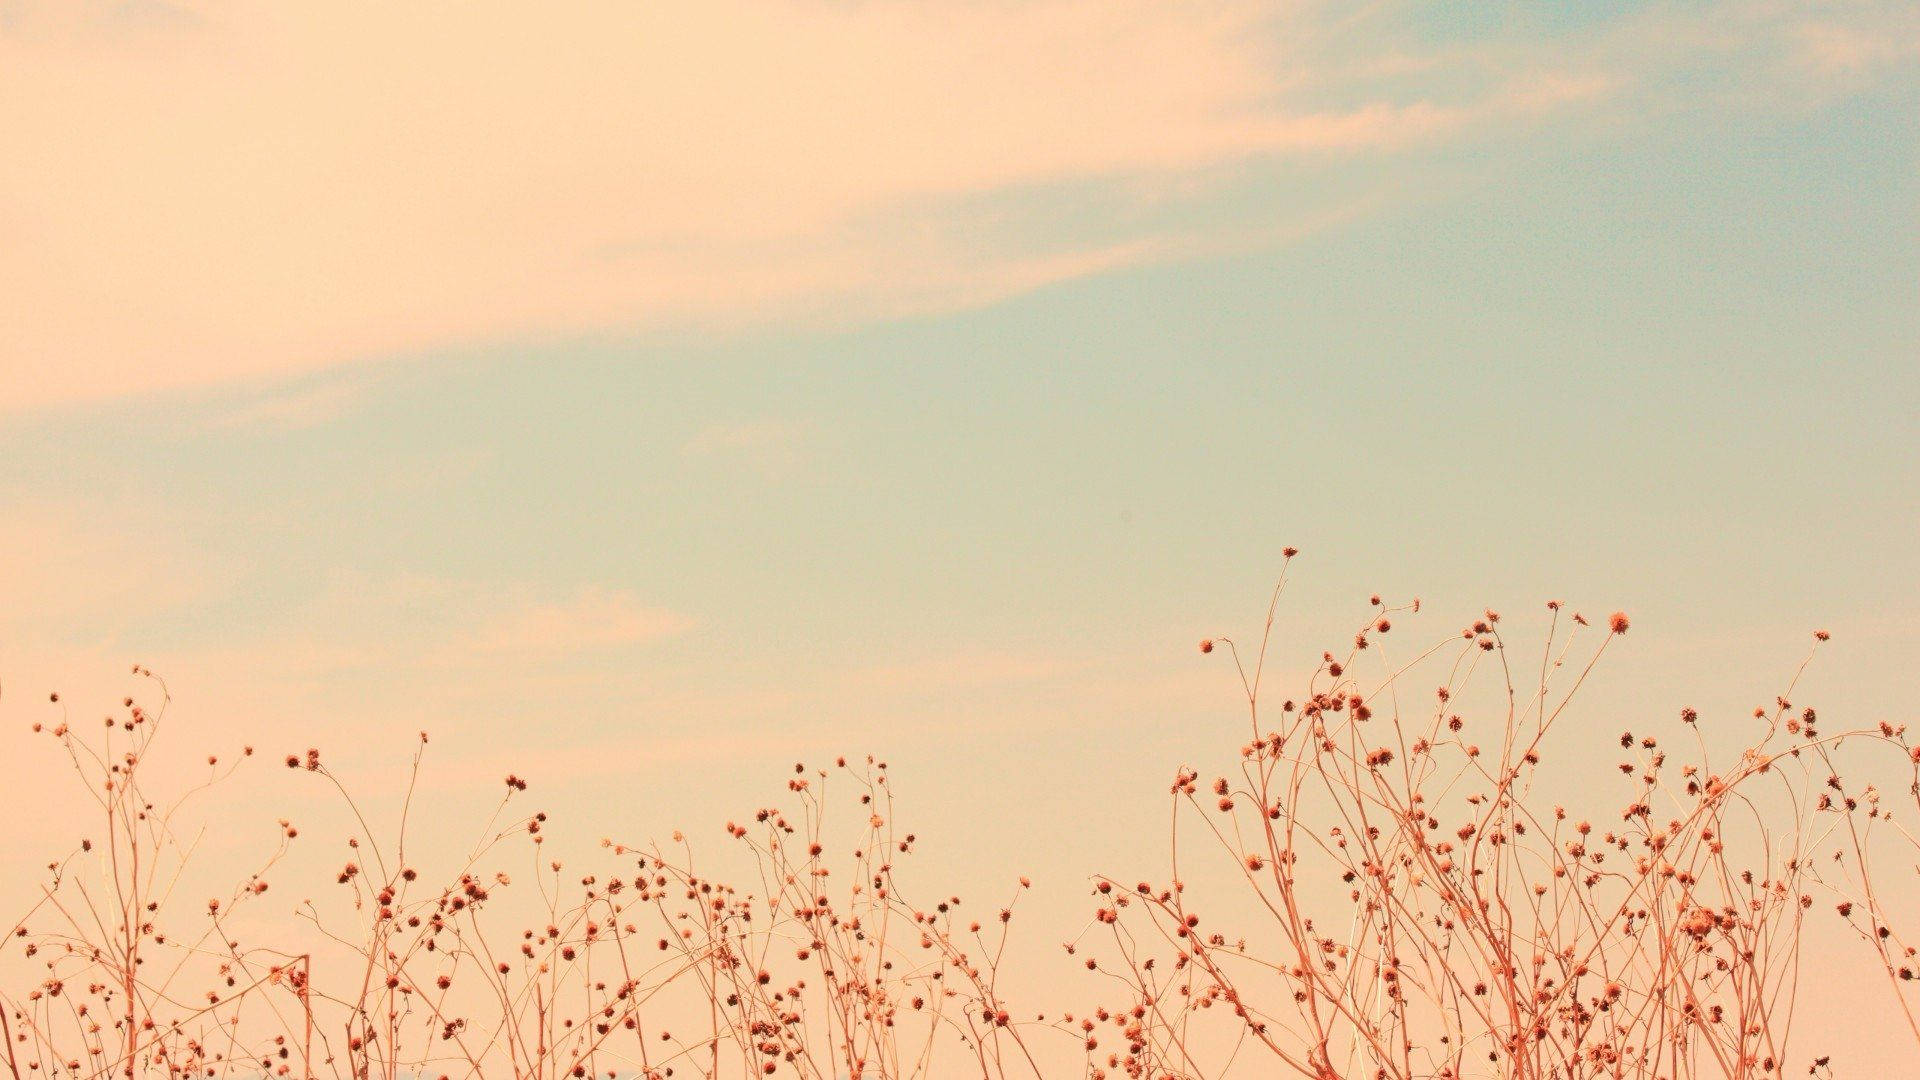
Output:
x=1478 y=928
x=1404 y=900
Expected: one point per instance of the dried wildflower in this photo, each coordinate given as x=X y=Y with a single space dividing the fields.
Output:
x=1650 y=926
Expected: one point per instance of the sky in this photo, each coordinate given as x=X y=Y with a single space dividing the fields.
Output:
x=641 y=399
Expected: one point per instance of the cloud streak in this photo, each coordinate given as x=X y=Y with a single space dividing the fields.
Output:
x=595 y=619
x=199 y=193
x=248 y=193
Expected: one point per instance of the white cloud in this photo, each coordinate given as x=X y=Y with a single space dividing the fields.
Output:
x=263 y=190
x=214 y=192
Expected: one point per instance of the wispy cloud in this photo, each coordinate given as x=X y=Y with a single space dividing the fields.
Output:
x=79 y=595
x=219 y=192
x=594 y=619
x=361 y=623
x=67 y=570
x=293 y=188
x=294 y=407
x=1840 y=49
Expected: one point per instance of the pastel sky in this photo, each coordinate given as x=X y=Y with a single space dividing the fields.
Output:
x=644 y=397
